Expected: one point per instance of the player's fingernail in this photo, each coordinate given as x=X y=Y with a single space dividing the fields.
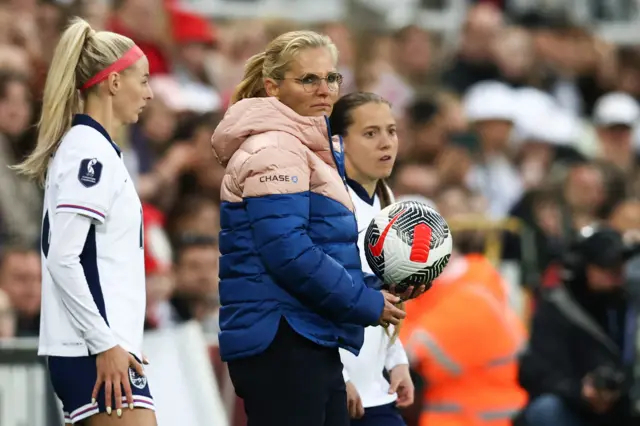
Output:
x=131 y=406
x=93 y=401
x=109 y=410
x=119 y=412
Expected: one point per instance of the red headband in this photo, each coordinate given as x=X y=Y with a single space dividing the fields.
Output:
x=124 y=62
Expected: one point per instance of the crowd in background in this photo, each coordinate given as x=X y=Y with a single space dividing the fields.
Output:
x=529 y=117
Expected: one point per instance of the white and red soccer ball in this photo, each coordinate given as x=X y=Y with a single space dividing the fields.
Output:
x=408 y=244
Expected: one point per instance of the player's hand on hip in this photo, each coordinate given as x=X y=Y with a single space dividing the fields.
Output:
x=113 y=372
x=391 y=314
x=354 y=402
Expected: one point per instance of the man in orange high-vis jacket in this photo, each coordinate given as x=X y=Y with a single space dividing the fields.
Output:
x=465 y=343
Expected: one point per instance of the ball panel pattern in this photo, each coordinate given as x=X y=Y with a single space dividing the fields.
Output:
x=416 y=246
x=376 y=263
x=417 y=213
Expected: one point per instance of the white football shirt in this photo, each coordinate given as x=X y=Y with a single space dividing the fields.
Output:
x=93 y=278
x=377 y=353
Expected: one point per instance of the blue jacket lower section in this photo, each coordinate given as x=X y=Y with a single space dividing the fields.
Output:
x=291 y=255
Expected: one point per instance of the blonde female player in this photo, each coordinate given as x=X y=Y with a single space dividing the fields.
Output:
x=93 y=282
x=366 y=124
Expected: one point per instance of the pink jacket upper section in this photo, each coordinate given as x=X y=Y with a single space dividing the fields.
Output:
x=267 y=149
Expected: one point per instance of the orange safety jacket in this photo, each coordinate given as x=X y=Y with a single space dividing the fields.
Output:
x=465 y=343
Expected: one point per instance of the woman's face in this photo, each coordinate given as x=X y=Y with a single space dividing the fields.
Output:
x=311 y=85
x=514 y=53
x=371 y=142
x=134 y=92
x=15 y=109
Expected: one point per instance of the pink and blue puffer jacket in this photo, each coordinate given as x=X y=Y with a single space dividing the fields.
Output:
x=289 y=235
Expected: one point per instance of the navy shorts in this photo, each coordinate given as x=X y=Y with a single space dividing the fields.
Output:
x=73 y=379
x=382 y=415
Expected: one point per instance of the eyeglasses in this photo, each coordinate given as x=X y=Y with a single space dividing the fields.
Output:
x=312 y=82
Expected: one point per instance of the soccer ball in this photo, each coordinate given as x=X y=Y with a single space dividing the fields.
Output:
x=408 y=244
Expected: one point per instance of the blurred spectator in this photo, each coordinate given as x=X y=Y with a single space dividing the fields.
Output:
x=428 y=131
x=591 y=191
x=7 y=317
x=490 y=108
x=415 y=179
x=195 y=215
x=374 y=72
x=343 y=39
x=196 y=295
x=474 y=60
x=614 y=116
x=14 y=60
x=577 y=367
x=205 y=173
x=52 y=17
x=195 y=40
x=20 y=200
x=542 y=132
x=95 y=12
x=158 y=160
x=146 y=22
x=628 y=72
x=413 y=55
x=239 y=41
x=515 y=56
x=452 y=110
x=462 y=207
x=20 y=276
x=455 y=201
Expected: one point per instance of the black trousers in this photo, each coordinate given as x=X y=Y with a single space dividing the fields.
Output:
x=293 y=383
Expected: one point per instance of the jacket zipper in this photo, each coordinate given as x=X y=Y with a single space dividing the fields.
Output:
x=341 y=172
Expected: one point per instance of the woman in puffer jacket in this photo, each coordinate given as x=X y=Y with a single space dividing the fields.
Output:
x=292 y=288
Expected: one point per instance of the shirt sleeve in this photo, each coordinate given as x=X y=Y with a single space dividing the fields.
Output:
x=86 y=181
x=396 y=355
x=63 y=263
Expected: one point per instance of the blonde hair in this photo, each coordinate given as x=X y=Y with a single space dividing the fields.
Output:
x=80 y=54
x=384 y=194
x=396 y=329
x=275 y=60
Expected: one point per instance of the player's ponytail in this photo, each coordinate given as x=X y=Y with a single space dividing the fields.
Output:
x=275 y=60
x=79 y=55
x=61 y=100
x=396 y=328
x=386 y=199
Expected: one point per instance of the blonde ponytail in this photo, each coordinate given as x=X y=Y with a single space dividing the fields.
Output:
x=252 y=84
x=60 y=101
x=384 y=194
x=80 y=54
x=396 y=329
